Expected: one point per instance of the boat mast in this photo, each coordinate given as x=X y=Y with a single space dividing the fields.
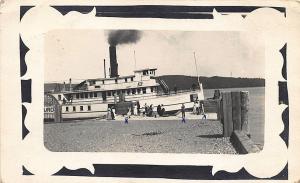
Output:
x=197 y=70
x=134 y=60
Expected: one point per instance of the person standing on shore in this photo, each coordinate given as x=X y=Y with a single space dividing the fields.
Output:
x=146 y=109
x=138 y=107
x=183 y=113
x=159 y=110
x=162 y=110
x=202 y=111
x=108 y=115
x=195 y=108
x=113 y=114
x=127 y=116
x=135 y=110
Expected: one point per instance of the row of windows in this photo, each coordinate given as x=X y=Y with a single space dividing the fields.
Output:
x=146 y=72
x=116 y=81
x=125 y=79
x=68 y=108
x=132 y=91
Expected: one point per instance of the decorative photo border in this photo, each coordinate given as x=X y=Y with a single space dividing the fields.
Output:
x=179 y=171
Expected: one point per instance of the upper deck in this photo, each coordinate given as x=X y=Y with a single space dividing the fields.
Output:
x=141 y=78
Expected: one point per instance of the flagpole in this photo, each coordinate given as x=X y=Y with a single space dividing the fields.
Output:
x=197 y=70
x=134 y=60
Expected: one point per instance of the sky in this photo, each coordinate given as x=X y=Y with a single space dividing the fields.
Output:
x=79 y=54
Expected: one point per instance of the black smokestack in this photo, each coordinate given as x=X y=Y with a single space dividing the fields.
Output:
x=113 y=62
x=123 y=37
x=115 y=38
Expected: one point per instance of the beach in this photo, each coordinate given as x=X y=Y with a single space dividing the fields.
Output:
x=151 y=136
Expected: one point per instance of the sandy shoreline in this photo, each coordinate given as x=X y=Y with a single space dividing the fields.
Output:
x=151 y=136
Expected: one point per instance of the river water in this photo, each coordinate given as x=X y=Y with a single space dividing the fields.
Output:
x=256 y=112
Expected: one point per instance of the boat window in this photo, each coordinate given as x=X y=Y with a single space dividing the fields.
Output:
x=59 y=97
x=77 y=95
x=123 y=91
x=89 y=107
x=125 y=80
x=86 y=95
x=95 y=94
x=133 y=91
x=67 y=109
x=113 y=92
x=144 y=90
x=81 y=108
x=97 y=86
x=118 y=92
x=128 y=92
x=108 y=93
x=131 y=78
x=91 y=95
x=144 y=73
x=103 y=82
x=152 y=89
x=139 y=91
x=74 y=108
x=116 y=80
x=193 y=97
x=81 y=95
x=104 y=96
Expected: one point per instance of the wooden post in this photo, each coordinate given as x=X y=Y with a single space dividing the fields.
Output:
x=244 y=111
x=219 y=109
x=227 y=114
x=236 y=110
x=221 y=112
x=57 y=113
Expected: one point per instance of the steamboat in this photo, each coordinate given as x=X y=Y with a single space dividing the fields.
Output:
x=92 y=98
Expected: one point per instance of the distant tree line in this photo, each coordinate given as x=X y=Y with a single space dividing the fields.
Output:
x=188 y=82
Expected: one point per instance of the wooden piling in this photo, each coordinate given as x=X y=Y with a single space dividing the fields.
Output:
x=57 y=113
x=227 y=114
x=236 y=110
x=244 y=111
x=221 y=112
x=219 y=109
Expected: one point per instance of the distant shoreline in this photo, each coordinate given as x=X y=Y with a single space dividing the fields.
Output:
x=234 y=87
x=215 y=82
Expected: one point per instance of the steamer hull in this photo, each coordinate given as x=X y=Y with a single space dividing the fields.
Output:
x=93 y=97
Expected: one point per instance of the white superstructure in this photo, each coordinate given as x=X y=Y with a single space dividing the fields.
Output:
x=92 y=97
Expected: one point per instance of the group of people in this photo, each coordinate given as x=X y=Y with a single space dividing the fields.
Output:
x=149 y=110
x=198 y=109
x=110 y=114
x=135 y=109
x=161 y=110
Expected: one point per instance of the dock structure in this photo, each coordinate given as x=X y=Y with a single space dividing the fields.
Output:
x=232 y=111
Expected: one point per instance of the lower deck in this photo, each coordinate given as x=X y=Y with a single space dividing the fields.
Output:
x=98 y=109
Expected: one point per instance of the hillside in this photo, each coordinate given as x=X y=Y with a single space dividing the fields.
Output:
x=186 y=82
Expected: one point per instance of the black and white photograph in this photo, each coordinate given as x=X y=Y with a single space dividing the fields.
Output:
x=140 y=91
x=153 y=91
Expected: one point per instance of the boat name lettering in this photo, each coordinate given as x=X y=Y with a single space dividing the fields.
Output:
x=48 y=109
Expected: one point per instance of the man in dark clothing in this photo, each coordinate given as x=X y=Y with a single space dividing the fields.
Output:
x=138 y=107
x=183 y=113
x=112 y=114
x=163 y=111
x=159 y=110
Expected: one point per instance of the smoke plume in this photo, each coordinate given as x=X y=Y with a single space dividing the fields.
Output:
x=123 y=37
